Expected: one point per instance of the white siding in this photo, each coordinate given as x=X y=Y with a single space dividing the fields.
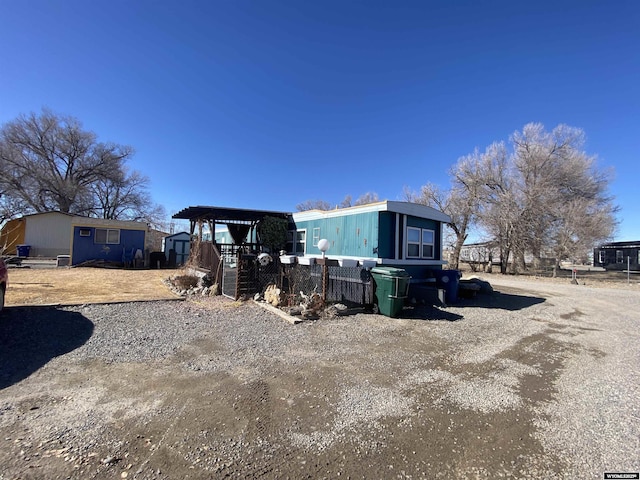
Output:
x=49 y=234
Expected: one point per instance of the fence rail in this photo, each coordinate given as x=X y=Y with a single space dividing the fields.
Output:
x=344 y=284
x=351 y=285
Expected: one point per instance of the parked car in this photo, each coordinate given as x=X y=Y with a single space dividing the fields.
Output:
x=4 y=279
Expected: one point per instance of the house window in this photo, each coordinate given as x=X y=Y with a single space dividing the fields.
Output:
x=316 y=236
x=428 y=242
x=107 y=235
x=413 y=242
x=420 y=243
x=602 y=257
x=85 y=232
x=296 y=241
x=619 y=256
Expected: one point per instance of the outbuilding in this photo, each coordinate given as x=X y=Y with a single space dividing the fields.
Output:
x=47 y=234
x=180 y=244
x=117 y=241
x=82 y=239
x=618 y=256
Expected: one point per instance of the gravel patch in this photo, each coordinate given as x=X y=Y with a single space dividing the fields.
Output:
x=541 y=379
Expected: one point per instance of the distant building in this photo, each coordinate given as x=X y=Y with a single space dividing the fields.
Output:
x=48 y=234
x=617 y=255
x=480 y=253
x=51 y=234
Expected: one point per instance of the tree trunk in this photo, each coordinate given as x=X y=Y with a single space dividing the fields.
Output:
x=455 y=256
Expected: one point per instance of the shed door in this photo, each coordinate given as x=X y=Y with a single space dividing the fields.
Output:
x=182 y=251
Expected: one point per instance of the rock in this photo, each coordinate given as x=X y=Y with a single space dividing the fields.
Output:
x=273 y=295
x=485 y=287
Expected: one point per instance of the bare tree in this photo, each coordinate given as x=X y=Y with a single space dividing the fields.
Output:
x=48 y=162
x=126 y=198
x=564 y=205
x=313 y=205
x=463 y=199
x=346 y=202
x=366 y=198
x=545 y=198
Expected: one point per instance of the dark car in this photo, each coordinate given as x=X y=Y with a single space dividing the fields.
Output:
x=4 y=279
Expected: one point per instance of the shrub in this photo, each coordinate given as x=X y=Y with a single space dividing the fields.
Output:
x=185 y=282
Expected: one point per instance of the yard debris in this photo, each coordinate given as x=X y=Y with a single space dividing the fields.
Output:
x=311 y=305
x=273 y=295
x=340 y=309
x=476 y=284
x=189 y=285
x=99 y=264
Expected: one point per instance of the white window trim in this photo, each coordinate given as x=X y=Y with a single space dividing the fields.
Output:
x=304 y=243
x=421 y=243
x=316 y=236
x=418 y=243
x=107 y=232
x=431 y=244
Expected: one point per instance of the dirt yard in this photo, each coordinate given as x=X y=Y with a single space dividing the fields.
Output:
x=73 y=286
x=538 y=380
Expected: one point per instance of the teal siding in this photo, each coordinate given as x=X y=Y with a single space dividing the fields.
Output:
x=368 y=235
x=387 y=235
x=350 y=235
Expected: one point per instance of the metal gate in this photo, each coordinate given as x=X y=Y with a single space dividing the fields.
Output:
x=229 y=276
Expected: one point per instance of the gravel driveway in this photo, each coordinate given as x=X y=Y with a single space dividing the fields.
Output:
x=538 y=380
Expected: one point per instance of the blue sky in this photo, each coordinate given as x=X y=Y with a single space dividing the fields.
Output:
x=265 y=104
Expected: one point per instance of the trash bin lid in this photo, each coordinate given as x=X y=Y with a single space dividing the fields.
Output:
x=390 y=271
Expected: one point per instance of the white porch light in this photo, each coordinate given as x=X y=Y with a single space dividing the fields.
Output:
x=323 y=245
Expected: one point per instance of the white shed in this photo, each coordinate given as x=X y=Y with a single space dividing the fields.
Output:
x=181 y=243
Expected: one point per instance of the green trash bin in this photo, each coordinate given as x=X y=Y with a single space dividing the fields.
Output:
x=391 y=289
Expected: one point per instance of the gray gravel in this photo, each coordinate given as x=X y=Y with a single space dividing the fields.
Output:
x=561 y=357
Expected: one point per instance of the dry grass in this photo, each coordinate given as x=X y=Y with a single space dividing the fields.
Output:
x=70 y=286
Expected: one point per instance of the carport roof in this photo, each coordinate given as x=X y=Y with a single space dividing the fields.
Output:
x=224 y=214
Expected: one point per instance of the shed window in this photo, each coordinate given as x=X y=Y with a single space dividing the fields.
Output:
x=619 y=256
x=316 y=236
x=420 y=243
x=85 y=232
x=602 y=256
x=107 y=235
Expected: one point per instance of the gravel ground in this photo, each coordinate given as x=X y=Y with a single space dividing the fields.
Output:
x=538 y=380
